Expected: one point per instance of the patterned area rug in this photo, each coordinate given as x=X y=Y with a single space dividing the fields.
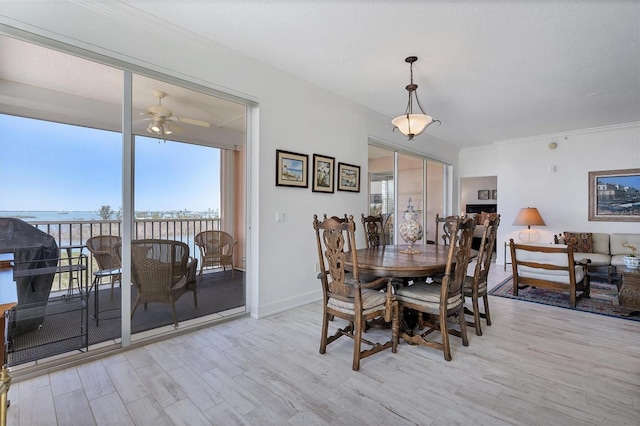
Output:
x=604 y=298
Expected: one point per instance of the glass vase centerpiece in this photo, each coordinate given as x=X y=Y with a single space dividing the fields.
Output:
x=410 y=229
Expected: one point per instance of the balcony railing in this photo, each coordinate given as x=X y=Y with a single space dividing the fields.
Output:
x=74 y=233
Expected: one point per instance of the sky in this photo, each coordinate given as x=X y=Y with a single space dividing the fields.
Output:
x=48 y=166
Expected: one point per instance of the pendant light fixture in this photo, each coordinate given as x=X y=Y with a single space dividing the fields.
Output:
x=411 y=124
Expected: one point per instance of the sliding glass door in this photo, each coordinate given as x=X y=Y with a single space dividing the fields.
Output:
x=397 y=179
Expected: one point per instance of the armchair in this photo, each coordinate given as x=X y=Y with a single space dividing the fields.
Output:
x=162 y=272
x=216 y=249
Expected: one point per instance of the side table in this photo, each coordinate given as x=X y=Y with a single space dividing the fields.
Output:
x=629 y=289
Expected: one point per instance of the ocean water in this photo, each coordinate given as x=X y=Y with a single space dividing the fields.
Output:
x=51 y=216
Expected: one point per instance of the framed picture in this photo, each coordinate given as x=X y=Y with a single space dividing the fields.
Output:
x=323 y=173
x=483 y=194
x=292 y=169
x=348 y=177
x=494 y=194
x=614 y=195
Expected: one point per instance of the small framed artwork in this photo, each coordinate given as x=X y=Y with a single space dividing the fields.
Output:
x=483 y=194
x=348 y=177
x=323 y=173
x=292 y=169
x=494 y=194
x=614 y=195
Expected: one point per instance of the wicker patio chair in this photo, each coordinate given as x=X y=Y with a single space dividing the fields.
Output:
x=162 y=272
x=216 y=249
x=103 y=249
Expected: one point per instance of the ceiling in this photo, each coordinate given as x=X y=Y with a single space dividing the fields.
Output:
x=489 y=70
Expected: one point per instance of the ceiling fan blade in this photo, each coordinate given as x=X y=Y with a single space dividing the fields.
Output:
x=193 y=121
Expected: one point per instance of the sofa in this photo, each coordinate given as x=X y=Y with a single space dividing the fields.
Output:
x=603 y=251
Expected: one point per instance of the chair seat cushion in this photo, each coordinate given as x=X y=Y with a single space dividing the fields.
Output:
x=468 y=286
x=372 y=300
x=550 y=275
x=427 y=296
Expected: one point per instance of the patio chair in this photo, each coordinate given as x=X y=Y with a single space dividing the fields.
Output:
x=162 y=272
x=216 y=249
x=103 y=249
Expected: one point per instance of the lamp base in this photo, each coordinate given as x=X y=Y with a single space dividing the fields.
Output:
x=529 y=236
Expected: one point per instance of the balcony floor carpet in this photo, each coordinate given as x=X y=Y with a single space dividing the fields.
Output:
x=62 y=324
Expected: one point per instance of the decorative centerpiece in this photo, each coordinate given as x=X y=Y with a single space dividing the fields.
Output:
x=631 y=261
x=410 y=229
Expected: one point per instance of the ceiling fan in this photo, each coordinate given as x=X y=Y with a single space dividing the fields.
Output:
x=162 y=120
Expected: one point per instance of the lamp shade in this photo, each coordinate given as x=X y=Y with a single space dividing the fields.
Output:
x=412 y=124
x=529 y=216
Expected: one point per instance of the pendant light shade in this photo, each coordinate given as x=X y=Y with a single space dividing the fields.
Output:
x=411 y=124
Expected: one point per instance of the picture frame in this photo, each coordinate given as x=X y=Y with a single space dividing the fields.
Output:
x=292 y=169
x=494 y=194
x=323 y=173
x=483 y=194
x=614 y=195
x=348 y=177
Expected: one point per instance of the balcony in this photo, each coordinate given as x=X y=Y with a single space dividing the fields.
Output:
x=218 y=293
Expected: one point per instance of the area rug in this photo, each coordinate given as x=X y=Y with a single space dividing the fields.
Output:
x=603 y=301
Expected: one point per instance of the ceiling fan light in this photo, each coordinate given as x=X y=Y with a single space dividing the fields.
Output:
x=167 y=129
x=155 y=128
x=412 y=124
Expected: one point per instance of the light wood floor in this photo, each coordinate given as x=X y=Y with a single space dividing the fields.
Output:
x=535 y=365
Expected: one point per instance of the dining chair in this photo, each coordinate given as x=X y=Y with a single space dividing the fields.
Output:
x=373 y=228
x=475 y=286
x=445 y=223
x=348 y=298
x=216 y=249
x=103 y=250
x=444 y=300
x=162 y=271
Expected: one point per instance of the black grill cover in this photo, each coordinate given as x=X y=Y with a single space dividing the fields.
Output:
x=32 y=249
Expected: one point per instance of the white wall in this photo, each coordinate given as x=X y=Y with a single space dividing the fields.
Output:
x=562 y=198
x=293 y=115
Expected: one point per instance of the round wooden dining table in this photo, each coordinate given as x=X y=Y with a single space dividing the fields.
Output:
x=389 y=260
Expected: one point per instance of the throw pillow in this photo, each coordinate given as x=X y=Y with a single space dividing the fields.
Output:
x=582 y=242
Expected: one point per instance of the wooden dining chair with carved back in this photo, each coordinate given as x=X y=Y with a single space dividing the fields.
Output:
x=475 y=286
x=444 y=300
x=446 y=224
x=373 y=228
x=346 y=296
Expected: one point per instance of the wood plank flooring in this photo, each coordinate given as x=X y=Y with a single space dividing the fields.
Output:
x=536 y=365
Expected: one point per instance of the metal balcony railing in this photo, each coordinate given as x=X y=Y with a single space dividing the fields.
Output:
x=71 y=236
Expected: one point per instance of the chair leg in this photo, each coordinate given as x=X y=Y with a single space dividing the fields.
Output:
x=357 y=342
x=444 y=330
x=463 y=326
x=133 y=311
x=476 y=315
x=173 y=313
x=325 y=330
x=487 y=315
